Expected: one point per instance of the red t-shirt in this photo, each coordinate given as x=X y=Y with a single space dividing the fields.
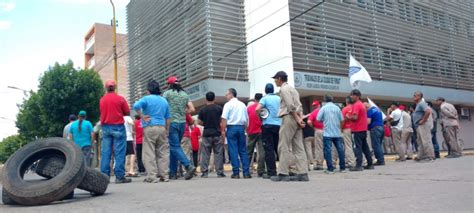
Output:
x=312 y=118
x=347 y=110
x=255 y=124
x=195 y=134
x=387 y=132
x=112 y=109
x=138 y=132
x=189 y=119
x=360 y=124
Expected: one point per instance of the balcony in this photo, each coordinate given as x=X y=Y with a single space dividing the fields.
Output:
x=91 y=63
x=89 y=49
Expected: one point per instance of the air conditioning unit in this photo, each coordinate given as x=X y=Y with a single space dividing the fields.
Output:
x=465 y=112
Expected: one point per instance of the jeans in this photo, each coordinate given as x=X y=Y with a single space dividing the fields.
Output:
x=270 y=136
x=87 y=152
x=376 y=136
x=434 y=140
x=328 y=141
x=113 y=139
x=361 y=146
x=176 y=152
x=237 y=148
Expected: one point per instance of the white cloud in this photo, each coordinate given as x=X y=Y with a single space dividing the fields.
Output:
x=5 y=25
x=7 y=6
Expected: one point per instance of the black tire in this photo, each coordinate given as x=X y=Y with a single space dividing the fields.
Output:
x=94 y=181
x=6 y=199
x=43 y=192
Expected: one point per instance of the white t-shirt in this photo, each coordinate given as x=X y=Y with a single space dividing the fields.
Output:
x=396 y=115
x=235 y=112
x=128 y=127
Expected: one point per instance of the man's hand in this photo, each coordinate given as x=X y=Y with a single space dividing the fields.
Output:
x=223 y=134
x=146 y=118
x=301 y=123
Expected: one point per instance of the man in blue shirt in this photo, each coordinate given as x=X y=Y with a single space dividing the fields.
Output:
x=375 y=121
x=270 y=128
x=81 y=132
x=332 y=118
x=155 y=113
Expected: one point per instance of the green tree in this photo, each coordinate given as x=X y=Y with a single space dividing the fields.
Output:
x=9 y=145
x=62 y=90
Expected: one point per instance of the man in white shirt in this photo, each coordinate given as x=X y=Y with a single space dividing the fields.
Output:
x=233 y=124
x=396 y=122
x=72 y=118
x=130 y=150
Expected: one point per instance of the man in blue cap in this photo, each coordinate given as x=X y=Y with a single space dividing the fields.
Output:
x=270 y=128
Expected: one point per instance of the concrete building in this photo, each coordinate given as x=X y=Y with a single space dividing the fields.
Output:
x=190 y=40
x=405 y=45
x=98 y=55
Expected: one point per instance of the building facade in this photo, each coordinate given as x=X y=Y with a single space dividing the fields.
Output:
x=406 y=46
x=190 y=40
x=98 y=55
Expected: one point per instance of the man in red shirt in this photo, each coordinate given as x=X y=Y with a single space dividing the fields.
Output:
x=347 y=134
x=254 y=132
x=318 y=135
x=112 y=109
x=186 y=142
x=359 y=131
x=139 y=142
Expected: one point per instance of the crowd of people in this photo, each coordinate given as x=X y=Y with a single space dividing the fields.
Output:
x=164 y=137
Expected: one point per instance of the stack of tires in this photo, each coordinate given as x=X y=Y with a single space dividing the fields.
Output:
x=60 y=162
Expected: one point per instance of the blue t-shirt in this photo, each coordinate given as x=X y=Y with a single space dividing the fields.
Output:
x=272 y=103
x=376 y=117
x=154 y=106
x=81 y=138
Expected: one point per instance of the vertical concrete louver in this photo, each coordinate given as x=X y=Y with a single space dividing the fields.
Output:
x=185 y=38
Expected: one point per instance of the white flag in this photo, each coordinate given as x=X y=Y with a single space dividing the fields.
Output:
x=357 y=73
x=375 y=105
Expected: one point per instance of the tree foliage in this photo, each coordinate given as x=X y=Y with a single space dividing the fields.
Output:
x=63 y=90
x=9 y=145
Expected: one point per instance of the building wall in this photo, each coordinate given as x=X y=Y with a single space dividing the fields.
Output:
x=188 y=39
x=103 y=54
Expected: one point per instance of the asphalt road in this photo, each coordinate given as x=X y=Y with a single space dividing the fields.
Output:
x=446 y=185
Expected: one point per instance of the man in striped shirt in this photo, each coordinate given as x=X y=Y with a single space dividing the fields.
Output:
x=332 y=118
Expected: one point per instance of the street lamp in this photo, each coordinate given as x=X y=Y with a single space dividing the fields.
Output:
x=25 y=92
x=115 y=45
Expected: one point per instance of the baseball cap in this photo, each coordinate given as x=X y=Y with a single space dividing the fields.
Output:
x=82 y=113
x=315 y=103
x=269 y=88
x=110 y=83
x=401 y=107
x=172 y=80
x=280 y=74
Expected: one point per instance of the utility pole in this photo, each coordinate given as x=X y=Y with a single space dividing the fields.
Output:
x=114 y=26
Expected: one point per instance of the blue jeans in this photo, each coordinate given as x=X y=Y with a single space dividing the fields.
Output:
x=434 y=140
x=328 y=141
x=87 y=152
x=113 y=135
x=237 y=144
x=176 y=152
x=376 y=136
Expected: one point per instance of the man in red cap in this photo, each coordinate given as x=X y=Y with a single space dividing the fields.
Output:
x=180 y=104
x=318 y=135
x=112 y=109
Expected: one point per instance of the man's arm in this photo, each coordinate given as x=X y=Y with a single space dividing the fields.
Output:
x=425 y=116
x=223 y=126
x=258 y=108
x=190 y=108
x=168 y=122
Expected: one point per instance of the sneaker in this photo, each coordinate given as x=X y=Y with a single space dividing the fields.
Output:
x=292 y=174
x=280 y=177
x=379 y=163
x=453 y=156
x=190 y=172
x=123 y=180
x=342 y=171
x=426 y=160
x=369 y=167
x=173 y=177
x=302 y=177
x=400 y=160
x=150 y=180
x=260 y=175
x=329 y=172
x=266 y=176
x=409 y=158
x=164 y=179
x=204 y=175
x=222 y=175
x=235 y=176
x=356 y=169
x=318 y=168
x=247 y=176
